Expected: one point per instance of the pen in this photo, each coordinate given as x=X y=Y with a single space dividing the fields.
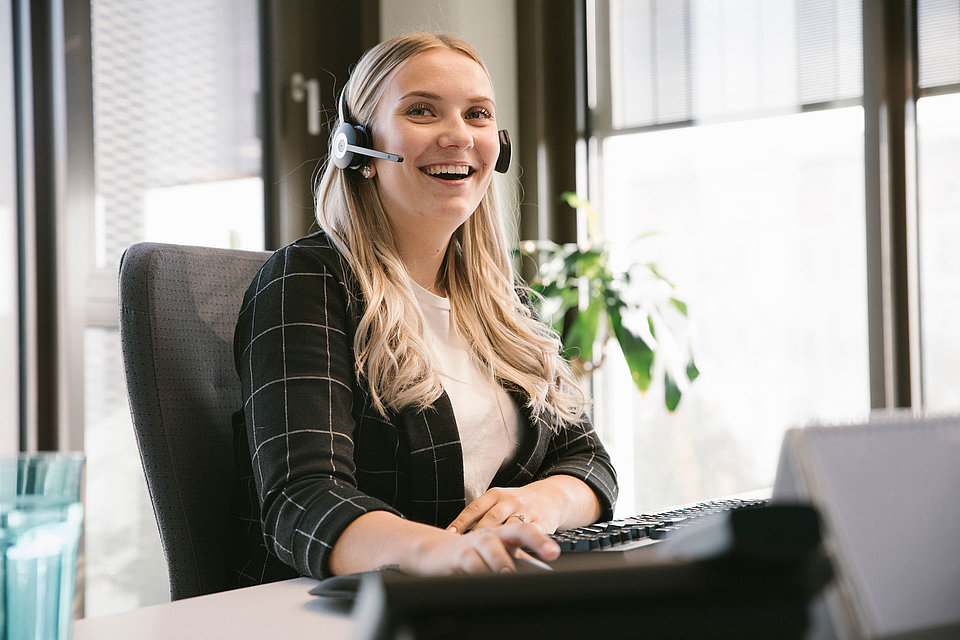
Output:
x=536 y=562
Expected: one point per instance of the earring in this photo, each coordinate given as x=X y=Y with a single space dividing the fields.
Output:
x=366 y=172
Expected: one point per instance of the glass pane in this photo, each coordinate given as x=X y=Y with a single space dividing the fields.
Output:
x=177 y=160
x=703 y=60
x=938 y=146
x=125 y=567
x=760 y=224
x=177 y=152
x=9 y=314
x=938 y=33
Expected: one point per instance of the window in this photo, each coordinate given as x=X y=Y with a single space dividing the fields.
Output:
x=760 y=225
x=734 y=132
x=9 y=296
x=178 y=159
x=938 y=157
x=938 y=147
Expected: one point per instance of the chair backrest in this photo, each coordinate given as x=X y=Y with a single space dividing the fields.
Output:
x=178 y=310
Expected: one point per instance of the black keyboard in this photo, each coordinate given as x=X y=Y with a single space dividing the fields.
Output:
x=730 y=570
x=645 y=528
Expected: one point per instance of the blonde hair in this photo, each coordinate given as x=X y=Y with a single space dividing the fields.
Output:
x=514 y=347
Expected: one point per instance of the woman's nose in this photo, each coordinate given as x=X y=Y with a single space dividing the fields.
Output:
x=456 y=134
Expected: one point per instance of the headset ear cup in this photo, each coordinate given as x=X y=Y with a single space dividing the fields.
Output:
x=503 y=160
x=354 y=136
x=344 y=135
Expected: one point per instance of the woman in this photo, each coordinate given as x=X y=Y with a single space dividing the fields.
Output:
x=401 y=404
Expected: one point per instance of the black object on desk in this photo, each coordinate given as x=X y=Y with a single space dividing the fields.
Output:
x=741 y=574
x=645 y=528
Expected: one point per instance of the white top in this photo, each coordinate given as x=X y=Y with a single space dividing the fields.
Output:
x=487 y=417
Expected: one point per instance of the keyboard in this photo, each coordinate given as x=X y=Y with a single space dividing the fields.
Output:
x=646 y=528
x=732 y=569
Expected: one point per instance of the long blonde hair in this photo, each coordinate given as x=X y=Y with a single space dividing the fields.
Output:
x=477 y=274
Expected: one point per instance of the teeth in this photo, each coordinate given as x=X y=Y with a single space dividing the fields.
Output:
x=437 y=169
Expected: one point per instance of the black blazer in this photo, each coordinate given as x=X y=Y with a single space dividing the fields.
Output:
x=317 y=455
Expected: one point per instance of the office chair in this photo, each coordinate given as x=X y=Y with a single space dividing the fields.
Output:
x=178 y=309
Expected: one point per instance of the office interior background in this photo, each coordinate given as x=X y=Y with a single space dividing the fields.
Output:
x=793 y=167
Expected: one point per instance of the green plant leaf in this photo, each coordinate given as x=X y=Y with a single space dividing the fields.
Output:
x=582 y=334
x=671 y=392
x=549 y=289
x=655 y=270
x=573 y=200
x=636 y=351
x=583 y=262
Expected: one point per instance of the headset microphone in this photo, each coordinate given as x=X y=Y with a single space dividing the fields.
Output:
x=348 y=153
x=350 y=146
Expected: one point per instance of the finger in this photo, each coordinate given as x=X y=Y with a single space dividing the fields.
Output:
x=520 y=536
x=501 y=512
x=490 y=547
x=532 y=522
x=470 y=561
x=472 y=514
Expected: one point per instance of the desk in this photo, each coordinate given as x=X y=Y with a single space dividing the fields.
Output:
x=277 y=610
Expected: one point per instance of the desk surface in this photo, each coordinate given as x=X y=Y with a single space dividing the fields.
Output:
x=278 y=610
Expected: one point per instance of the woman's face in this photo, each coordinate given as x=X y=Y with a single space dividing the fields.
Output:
x=437 y=112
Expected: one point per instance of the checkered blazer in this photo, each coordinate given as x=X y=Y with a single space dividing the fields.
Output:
x=315 y=452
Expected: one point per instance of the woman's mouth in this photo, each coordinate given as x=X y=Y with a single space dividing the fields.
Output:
x=448 y=171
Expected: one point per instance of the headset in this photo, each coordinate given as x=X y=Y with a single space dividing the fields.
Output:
x=350 y=146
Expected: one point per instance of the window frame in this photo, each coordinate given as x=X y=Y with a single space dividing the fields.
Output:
x=890 y=92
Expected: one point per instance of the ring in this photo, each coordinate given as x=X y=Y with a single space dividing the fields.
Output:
x=522 y=517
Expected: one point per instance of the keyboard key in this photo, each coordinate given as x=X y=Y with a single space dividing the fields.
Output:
x=663 y=532
x=657 y=526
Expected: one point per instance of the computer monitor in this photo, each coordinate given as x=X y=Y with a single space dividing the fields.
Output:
x=889 y=495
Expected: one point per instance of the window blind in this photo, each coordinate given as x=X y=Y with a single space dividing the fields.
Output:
x=719 y=59
x=938 y=40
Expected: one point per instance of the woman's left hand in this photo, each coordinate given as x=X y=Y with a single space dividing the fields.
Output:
x=548 y=504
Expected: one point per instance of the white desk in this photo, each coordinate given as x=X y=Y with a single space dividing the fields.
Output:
x=277 y=610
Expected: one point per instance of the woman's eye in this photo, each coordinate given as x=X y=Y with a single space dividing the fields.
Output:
x=419 y=110
x=479 y=113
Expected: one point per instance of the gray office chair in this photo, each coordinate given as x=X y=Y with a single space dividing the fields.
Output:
x=178 y=309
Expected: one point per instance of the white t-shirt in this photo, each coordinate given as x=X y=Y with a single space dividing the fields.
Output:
x=487 y=417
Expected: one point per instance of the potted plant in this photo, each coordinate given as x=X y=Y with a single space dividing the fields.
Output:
x=592 y=305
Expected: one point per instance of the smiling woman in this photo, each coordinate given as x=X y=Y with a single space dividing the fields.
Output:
x=402 y=404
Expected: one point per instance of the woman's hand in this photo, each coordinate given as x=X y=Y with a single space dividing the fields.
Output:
x=549 y=504
x=495 y=539
x=479 y=551
x=379 y=538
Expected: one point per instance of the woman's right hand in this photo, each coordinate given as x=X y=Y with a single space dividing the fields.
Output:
x=479 y=551
x=378 y=539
